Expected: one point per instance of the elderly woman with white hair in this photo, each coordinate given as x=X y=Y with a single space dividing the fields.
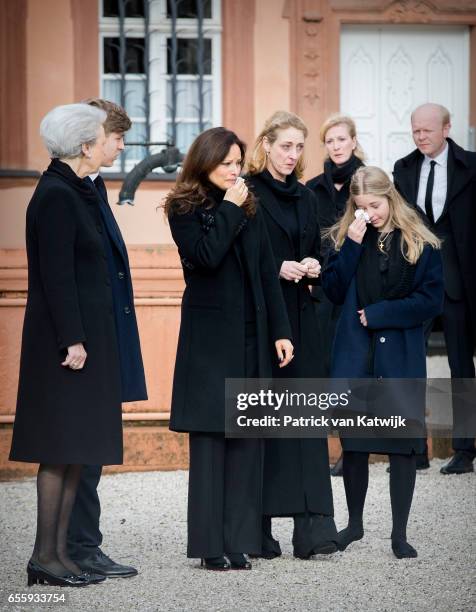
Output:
x=69 y=396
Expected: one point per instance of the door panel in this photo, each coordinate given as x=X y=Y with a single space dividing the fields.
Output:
x=386 y=71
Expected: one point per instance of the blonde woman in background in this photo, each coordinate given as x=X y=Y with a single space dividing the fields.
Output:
x=344 y=155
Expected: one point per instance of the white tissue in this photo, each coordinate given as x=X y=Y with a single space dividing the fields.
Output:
x=362 y=214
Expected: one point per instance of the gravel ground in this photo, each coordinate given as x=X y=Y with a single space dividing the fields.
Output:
x=144 y=523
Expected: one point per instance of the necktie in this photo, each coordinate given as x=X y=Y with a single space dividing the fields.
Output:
x=429 y=193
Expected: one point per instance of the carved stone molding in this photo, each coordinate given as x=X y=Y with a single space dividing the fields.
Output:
x=415 y=7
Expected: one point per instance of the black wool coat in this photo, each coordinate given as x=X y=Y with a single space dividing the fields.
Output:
x=132 y=369
x=460 y=207
x=328 y=212
x=296 y=472
x=211 y=345
x=62 y=415
x=297 y=296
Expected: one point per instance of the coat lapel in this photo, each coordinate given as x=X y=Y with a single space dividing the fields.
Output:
x=458 y=175
x=410 y=179
x=110 y=222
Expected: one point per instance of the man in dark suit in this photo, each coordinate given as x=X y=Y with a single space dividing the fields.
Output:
x=439 y=179
x=84 y=535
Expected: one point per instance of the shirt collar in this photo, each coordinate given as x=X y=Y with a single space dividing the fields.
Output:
x=94 y=176
x=441 y=159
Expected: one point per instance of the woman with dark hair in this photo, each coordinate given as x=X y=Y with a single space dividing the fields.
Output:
x=232 y=309
x=296 y=471
x=338 y=134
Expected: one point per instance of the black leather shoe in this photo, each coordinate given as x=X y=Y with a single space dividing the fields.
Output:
x=337 y=469
x=238 y=561
x=460 y=463
x=92 y=578
x=99 y=563
x=215 y=564
x=37 y=574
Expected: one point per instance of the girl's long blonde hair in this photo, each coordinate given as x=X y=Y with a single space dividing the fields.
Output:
x=414 y=233
x=280 y=120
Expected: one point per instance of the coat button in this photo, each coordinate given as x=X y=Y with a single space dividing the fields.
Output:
x=104 y=256
x=108 y=282
x=382 y=339
x=120 y=275
x=127 y=310
x=99 y=228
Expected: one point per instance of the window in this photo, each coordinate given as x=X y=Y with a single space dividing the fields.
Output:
x=161 y=59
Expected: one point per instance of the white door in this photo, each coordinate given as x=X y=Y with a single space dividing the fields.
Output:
x=387 y=71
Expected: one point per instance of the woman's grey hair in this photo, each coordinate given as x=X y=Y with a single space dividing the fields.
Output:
x=66 y=128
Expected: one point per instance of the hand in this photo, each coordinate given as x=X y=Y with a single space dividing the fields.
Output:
x=313 y=267
x=284 y=350
x=363 y=318
x=293 y=271
x=76 y=357
x=238 y=193
x=357 y=230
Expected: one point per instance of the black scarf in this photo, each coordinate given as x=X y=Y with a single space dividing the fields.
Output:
x=382 y=275
x=341 y=174
x=283 y=190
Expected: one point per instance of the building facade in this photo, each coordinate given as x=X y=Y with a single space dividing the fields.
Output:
x=180 y=67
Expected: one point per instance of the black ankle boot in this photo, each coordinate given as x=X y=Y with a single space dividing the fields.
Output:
x=217 y=564
x=239 y=561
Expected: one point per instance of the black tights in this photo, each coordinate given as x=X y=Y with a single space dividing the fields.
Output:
x=356 y=480
x=56 y=489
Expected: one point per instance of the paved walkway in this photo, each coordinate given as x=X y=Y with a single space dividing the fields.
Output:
x=144 y=523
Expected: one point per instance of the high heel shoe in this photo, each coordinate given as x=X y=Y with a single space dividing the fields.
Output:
x=40 y=575
x=239 y=561
x=216 y=564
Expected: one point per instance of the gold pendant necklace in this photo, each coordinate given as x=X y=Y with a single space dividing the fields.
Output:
x=382 y=241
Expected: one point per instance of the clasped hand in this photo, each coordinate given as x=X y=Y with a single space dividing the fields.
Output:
x=295 y=271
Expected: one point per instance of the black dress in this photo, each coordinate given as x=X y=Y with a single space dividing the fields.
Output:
x=296 y=471
x=66 y=416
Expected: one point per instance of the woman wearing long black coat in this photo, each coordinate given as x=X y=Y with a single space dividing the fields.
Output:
x=232 y=310
x=69 y=395
x=296 y=473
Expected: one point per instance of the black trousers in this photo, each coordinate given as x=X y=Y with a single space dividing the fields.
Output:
x=224 y=495
x=460 y=349
x=84 y=536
